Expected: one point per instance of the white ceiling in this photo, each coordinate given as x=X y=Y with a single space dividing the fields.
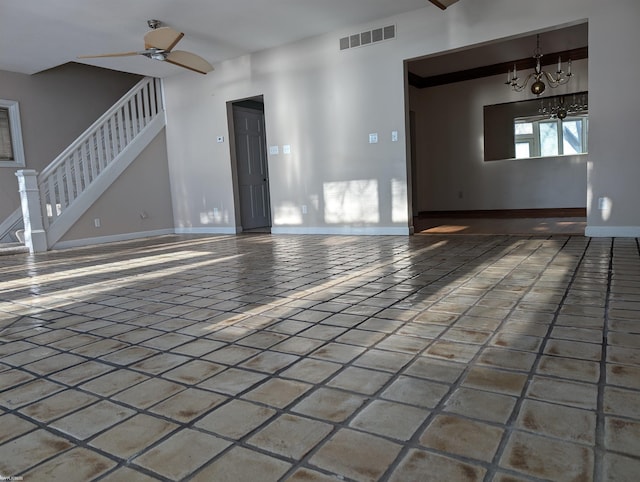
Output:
x=36 y=35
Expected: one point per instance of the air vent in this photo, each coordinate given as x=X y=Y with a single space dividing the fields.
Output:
x=369 y=37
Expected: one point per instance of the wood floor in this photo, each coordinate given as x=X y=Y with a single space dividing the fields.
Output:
x=507 y=223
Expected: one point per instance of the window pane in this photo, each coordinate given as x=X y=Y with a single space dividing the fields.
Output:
x=523 y=150
x=572 y=137
x=548 y=138
x=524 y=128
x=6 y=150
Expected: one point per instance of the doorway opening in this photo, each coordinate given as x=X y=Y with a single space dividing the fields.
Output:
x=249 y=165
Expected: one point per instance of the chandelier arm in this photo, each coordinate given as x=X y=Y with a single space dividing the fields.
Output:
x=520 y=87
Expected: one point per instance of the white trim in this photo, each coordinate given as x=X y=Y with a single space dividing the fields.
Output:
x=16 y=134
x=7 y=225
x=77 y=243
x=344 y=230
x=612 y=231
x=206 y=231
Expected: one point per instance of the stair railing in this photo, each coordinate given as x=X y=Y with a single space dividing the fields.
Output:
x=71 y=173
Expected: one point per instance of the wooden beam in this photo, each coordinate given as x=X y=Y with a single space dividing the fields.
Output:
x=496 y=69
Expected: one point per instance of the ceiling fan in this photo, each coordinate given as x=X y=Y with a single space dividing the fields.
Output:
x=442 y=4
x=158 y=45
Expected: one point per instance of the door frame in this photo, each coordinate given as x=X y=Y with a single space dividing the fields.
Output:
x=255 y=103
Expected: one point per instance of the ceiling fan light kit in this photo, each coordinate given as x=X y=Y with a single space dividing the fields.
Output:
x=158 y=45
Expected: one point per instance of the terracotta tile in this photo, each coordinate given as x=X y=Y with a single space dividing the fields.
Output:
x=460 y=352
x=329 y=404
x=193 y=372
x=623 y=355
x=12 y=377
x=618 y=401
x=461 y=436
x=148 y=393
x=290 y=436
x=570 y=368
x=269 y=361
x=77 y=465
x=277 y=392
x=80 y=373
x=160 y=363
x=337 y=352
x=262 y=340
x=29 y=450
x=434 y=369
x=568 y=423
x=310 y=370
x=13 y=426
x=415 y=391
x=188 y=404
x=232 y=381
x=623 y=376
x=235 y=419
x=517 y=342
x=394 y=420
x=231 y=354
x=307 y=475
x=355 y=455
x=92 y=419
x=126 y=474
x=417 y=463
x=28 y=393
x=617 y=467
x=492 y=407
x=242 y=464
x=509 y=359
x=383 y=360
x=114 y=382
x=500 y=381
x=547 y=458
x=181 y=454
x=58 y=405
x=359 y=380
x=565 y=392
x=131 y=437
x=574 y=349
x=622 y=436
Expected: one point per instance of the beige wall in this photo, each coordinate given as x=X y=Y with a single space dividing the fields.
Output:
x=324 y=103
x=450 y=167
x=138 y=203
x=56 y=106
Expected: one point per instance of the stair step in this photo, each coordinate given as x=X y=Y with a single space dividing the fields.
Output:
x=12 y=248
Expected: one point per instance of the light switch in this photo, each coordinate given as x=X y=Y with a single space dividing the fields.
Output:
x=394 y=136
x=286 y=149
x=373 y=138
x=273 y=150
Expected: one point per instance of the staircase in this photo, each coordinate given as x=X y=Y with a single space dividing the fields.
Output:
x=83 y=172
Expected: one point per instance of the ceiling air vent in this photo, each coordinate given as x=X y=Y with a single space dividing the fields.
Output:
x=367 y=38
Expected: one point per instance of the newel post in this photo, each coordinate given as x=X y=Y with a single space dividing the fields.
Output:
x=35 y=236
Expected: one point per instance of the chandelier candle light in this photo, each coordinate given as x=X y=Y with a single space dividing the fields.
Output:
x=538 y=86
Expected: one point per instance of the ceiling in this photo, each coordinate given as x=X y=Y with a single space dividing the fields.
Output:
x=39 y=35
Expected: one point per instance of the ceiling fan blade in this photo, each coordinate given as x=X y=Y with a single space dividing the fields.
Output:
x=189 y=61
x=442 y=4
x=163 y=38
x=120 y=54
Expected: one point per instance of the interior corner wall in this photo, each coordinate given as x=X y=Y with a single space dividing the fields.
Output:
x=56 y=106
x=137 y=204
x=450 y=167
x=324 y=103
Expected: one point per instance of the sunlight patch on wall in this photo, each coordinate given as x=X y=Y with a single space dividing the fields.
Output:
x=287 y=214
x=351 y=202
x=399 y=209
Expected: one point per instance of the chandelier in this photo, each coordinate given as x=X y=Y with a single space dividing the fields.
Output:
x=560 y=107
x=538 y=75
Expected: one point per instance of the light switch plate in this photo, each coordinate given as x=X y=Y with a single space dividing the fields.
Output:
x=273 y=150
x=394 y=136
x=286 y=149
x=373 y=138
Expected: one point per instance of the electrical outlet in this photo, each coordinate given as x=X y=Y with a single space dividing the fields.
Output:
x=394 y=136
x=373 y=138
x=96 y=222
x=304 y=209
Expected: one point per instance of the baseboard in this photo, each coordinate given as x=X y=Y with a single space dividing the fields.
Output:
x=612 y=231
x=226 y=230
x=78 y=243
x=508 y=213
x=344 y=231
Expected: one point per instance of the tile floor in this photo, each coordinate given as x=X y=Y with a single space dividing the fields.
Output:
x=317 y=358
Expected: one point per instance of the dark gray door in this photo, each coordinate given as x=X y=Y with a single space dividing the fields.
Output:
x=251 y=158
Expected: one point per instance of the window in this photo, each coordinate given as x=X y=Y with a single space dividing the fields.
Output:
x=11 y=151
x=544 y=137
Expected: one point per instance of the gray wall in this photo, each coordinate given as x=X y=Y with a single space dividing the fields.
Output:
x=450 y=167
x=138 y=203
x=56 y=106
x=324 y=103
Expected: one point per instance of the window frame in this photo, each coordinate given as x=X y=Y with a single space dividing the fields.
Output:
x=534 y=138
x=15 y=132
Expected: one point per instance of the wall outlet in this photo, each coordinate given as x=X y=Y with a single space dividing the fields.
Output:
x=394 y=136
x=96 y=222
x=220 y=139
x=373 y=138
x=304 y=209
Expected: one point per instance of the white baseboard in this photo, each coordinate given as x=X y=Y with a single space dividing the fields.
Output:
x=205 y=230
x=77 y=243
x=344 y=230
x=612 y=231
